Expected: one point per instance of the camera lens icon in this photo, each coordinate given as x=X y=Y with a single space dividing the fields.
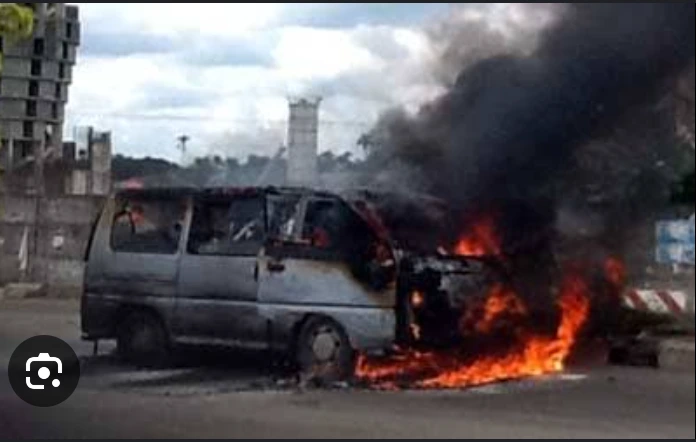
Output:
x=44 y=372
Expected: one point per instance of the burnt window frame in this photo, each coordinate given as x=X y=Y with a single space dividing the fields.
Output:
x=123 y=203
x=249 y=248
x=336 y=251
x=295 y=209
x=303 y=235
x=299 y=247
x=359 y=252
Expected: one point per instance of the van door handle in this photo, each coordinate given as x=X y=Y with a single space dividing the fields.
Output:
x=275 y=266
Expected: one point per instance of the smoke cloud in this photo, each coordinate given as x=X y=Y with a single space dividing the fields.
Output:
x=509 y=127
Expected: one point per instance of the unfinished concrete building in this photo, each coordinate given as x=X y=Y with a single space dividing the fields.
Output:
x=86 y=163
x=34 y=84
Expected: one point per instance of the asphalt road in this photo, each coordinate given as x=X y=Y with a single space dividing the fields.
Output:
x=231 y=394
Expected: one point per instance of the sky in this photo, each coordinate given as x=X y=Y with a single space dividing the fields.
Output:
x=223 y=73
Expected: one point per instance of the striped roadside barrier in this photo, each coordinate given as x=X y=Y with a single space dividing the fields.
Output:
x=671 y=302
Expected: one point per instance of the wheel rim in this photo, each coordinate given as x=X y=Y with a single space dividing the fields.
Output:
x=325 y=345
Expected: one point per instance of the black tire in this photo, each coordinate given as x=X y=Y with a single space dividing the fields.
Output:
x=142 y=340
x=323 y=352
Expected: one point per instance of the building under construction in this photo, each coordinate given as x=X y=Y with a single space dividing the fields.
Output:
x=34 y=85
x=50 y=190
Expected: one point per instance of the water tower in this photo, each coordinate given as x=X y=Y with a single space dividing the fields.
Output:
x=303 y=127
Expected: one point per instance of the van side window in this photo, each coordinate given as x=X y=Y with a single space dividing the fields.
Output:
x=235 y=227
x=331 y=225
x=334 y=231
x=282 y=212
x=148 y=226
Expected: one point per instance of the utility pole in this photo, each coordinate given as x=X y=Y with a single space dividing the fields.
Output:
x=183 y=140
x=39 y=194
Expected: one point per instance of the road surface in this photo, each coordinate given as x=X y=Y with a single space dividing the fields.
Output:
x=231 y=394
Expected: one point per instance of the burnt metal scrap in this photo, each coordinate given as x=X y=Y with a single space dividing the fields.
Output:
x=448 y=285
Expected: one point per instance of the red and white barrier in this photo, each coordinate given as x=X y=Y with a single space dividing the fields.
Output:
x=671 y=302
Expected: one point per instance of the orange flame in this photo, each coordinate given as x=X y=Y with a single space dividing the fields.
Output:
x=500 y=303
x=417 y=299
x=481 y=240
x=532 y=355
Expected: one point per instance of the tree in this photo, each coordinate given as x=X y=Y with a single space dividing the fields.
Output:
x=124 y=168
x=16 y=23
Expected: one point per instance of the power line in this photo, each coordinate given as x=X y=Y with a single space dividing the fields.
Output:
x=129 y=116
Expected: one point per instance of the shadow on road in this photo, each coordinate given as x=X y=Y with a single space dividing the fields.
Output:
x=206 y=367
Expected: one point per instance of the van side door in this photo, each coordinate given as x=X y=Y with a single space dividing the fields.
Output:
x=327 y=264
x=218 y=284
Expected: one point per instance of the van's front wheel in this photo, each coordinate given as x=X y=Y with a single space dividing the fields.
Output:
x=323 y=351
x=142 y=340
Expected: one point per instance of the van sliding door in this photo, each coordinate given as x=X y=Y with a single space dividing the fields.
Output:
x=218 y=270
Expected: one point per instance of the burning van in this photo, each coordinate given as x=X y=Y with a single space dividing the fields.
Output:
x=315 y=274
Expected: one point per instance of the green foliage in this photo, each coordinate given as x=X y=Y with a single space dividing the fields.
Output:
x=16 y=23
x=123 y=168
x=216 y=170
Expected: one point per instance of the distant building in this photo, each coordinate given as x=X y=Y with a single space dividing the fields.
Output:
x=34 y=82
x=85 y=168
x=303 y=131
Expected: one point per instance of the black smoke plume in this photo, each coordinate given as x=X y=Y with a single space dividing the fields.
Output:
x=508 y=128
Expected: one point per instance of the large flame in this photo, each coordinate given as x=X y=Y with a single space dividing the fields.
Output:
x=481 y=239
x=525 y=353
x=529 y=355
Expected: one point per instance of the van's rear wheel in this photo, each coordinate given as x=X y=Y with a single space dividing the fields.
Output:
x=323 y=351
x=142 y=340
